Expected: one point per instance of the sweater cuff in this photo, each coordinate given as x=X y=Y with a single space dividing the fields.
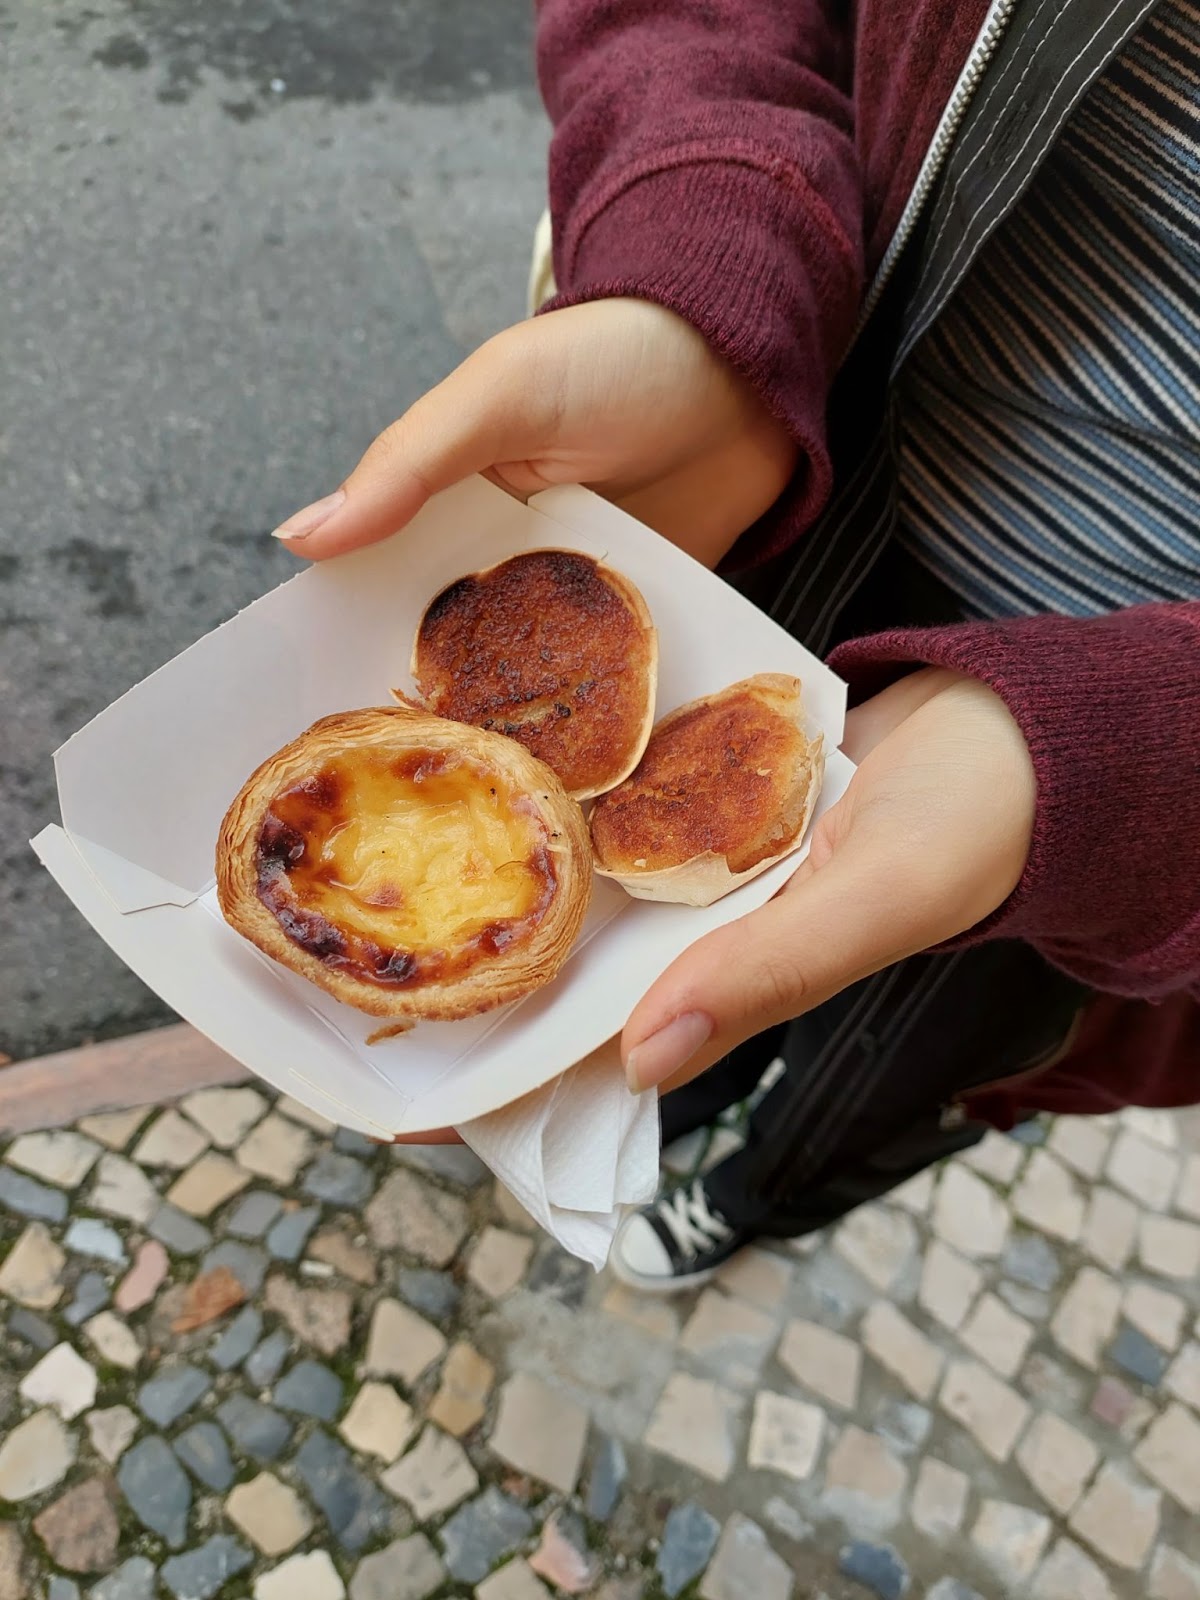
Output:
x=1110 y=710
x=748 y=252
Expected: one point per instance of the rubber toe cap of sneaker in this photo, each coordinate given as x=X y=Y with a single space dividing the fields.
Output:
x=641 y=1251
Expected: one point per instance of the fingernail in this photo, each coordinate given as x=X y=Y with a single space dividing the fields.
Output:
x=654 y=1060
x=310 y=519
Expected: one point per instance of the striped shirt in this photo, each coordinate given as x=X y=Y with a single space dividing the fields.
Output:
x=1050 y=420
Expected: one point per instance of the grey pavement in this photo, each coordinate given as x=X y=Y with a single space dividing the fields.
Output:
x=239 y=238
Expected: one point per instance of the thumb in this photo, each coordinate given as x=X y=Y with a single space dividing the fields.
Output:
x=828 y=928
x=496 y=407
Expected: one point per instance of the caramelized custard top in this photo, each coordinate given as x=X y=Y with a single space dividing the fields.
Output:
x=543 y=649
x=710 y=779
x=405 y=869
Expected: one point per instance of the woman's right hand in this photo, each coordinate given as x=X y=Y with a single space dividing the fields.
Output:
x=618 y=394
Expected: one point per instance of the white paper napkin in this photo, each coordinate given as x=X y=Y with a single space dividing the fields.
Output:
x=576 y=1153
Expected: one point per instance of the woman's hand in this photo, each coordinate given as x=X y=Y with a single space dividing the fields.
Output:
x=618 y=394
x=931 y=837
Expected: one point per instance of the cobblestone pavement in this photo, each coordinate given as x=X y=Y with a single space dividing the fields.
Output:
x=246 y=1355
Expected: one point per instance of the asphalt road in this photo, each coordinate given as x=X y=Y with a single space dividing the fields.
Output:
x=238 y=238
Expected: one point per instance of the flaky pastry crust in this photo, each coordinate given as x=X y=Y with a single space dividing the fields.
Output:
x=410 y=866
x=725 y=789
x=552 y=648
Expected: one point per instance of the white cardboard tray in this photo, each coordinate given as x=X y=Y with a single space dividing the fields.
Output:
x=143 y=788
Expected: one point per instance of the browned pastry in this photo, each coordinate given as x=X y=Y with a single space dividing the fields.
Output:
x=410 y=866
x=725 y=789
x=553 y=649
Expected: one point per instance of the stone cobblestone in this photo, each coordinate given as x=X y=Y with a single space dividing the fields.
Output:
x=785 y=1435
x=433 y=1477
x=1049 y=1199
x=461 y=1401
x=900 y=1347
x=1158 y=1314
x=171 y=1140
x=995 y=1157
x=864 y=1482
x=1057 y=1459
x=940 y=1498
x=1169 y=1247
x=992 y=1412
x=207 y=1184
x=378 y=1422
x=1068 y=1573
x=694 y=1423
x=997 y=1335
x=1110 y=1228
x=1119 y=1518
x=1010 y=1539
x=1173 y=1576
x=1143 y=1170
x=969 y=1214
x=1086 y=1318
x=825 y=1362
x=1170 y=1455
x=744 y=1564
x=1082 y=1142
x=271 y=1515
x=986 y=1387
x=879 y=1243
x=689 y=1539
x=949 y=1284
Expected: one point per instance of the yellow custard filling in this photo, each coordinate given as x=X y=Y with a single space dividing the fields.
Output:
x=404 y=868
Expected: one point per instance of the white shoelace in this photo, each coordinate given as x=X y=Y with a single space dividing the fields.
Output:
x=692 y=1225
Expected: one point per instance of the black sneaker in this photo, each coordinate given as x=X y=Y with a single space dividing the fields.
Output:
x=678 y=1242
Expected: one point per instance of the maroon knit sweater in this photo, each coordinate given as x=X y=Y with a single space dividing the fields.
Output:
x=745 y=163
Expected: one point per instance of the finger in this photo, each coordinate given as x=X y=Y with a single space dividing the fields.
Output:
x=495 y=410
x=845 y=921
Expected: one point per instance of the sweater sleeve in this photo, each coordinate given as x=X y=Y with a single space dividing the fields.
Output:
x=703 y=159
x=1110 y=709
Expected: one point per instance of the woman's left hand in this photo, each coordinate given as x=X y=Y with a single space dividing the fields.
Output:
x=931 y=836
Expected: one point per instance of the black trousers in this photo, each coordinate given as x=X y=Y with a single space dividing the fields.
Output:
x=936 y=1026
x=929 y=1029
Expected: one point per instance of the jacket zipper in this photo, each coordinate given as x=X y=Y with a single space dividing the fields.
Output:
x=985 y=46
